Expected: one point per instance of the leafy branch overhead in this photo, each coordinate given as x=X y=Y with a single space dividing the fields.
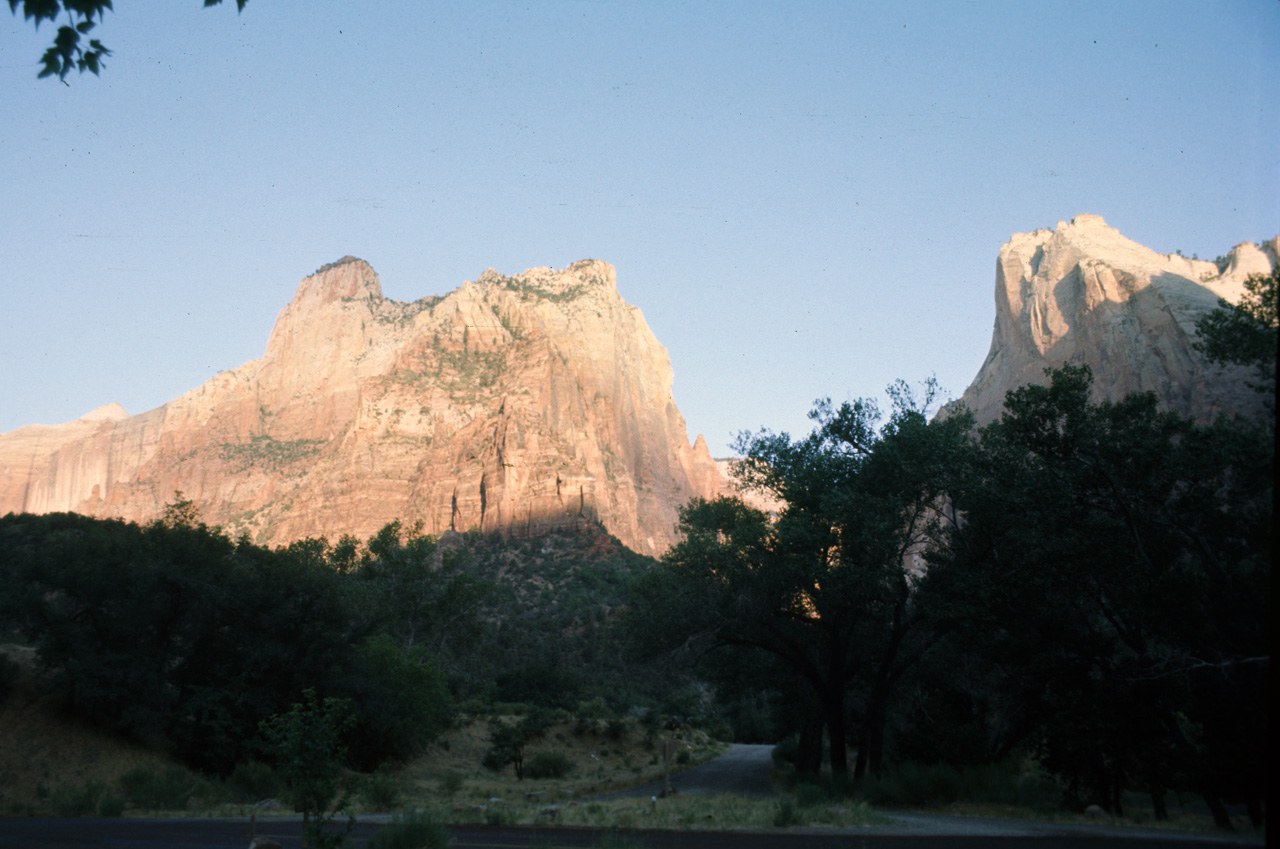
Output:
x=68 y=51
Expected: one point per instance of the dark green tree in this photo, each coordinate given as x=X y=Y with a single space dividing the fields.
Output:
x=68 y=51
x=1113 y=563
x=399 y=697
x=828 y=586
x=306 y=744
x=1246 y=333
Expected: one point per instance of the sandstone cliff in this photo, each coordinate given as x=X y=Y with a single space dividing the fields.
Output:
x=1083 y=293
x=511 y=403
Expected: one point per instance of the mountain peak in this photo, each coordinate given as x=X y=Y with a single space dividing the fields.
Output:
x=345 y=279
x=512 y=404
x=1083 y=293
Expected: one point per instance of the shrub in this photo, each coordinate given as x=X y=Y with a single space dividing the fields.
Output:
x=450 y=783
x=111 y=805
x=941 y=784
x=786 y=750
x=411 y=831
x=252 y=781
x=158 y=790
x=77 y=801
x=548 y=765
x=827 y=788
x=381 y=792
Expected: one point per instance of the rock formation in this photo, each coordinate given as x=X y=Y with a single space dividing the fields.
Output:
x=1083 y=293
x=510 y=404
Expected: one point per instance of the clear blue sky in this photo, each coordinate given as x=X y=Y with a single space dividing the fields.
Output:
x=804 y=199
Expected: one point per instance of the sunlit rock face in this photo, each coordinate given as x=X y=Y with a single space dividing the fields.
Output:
x=1081 y=293
x=511 y=404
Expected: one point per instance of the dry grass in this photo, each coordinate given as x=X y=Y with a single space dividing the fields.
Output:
x=677 y=812
x=451 y=774
x=43 y=756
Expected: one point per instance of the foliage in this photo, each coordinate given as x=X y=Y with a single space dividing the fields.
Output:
x=1114 y=568
x=264 y=452
x=174 y=632
x=158 y=790
x=381 y=791
x=939 y=785
x=1245 y=333
x=411 y=831
x=67 y=52
x=507 y=743
x=826 y=588
x=306 y=744
x=548 y=765
x=401 y=701
x=450 y=783
x=253 y=781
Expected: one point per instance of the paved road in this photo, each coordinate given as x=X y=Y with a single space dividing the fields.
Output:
x=744 y=770
x=234 y=834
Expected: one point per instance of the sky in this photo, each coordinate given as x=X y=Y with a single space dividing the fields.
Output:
x=805 y=199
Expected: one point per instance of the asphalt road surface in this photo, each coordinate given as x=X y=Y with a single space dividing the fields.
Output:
x=742 y=770
x=912 y=833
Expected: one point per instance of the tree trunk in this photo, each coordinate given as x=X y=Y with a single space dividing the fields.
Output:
x=837 y=740
x=1157 y=802
x=876 y=717
x=809 y=750
x=1220 y=817
x=1254 y=806
x=872 y=737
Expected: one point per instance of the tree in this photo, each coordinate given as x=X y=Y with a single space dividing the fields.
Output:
x=172 y=632
x=83 y=16
x=1113 y=563
x=306 y=744
x=1246 y=333
x=425 y=596
x=827 y=587
x=400 y=701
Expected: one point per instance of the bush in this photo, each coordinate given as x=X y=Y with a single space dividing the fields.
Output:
x=786 y=751
x=111 y=805
x=77 y=801
x=548 y=765
x=941 y=784
x=411 y=831
x=153 y=790
x=381 y=792
x=588 y=713
x=252 y=781
x=450 y=783
x=400 y=700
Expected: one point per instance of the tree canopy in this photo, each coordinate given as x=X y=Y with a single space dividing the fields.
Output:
x=1114 y=564
x=827 y=586
x=69 y=52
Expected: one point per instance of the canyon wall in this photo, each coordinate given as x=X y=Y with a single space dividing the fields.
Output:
x=1082 y=293
x=511 y=404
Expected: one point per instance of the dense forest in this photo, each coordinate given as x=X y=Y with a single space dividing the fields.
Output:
x=1083 y=584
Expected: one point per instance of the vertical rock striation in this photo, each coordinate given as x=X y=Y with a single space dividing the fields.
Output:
x=1084 y=294
x=510 y=404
